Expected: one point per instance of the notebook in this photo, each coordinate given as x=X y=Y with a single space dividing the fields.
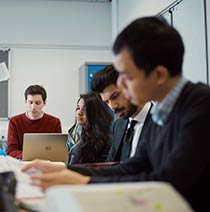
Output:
x=47 y=146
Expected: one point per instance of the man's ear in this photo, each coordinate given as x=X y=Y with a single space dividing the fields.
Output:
x=161 y=73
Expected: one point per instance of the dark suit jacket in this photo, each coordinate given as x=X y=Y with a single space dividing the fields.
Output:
x=119 y=129
x=178 y=152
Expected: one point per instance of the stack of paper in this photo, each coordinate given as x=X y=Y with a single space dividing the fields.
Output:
x=25 y=192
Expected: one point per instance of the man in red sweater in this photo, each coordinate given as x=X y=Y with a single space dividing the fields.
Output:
x=34 y=120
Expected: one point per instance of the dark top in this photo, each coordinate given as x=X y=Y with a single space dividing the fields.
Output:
x=97 y=152
x=119 y=129
x=177 y=152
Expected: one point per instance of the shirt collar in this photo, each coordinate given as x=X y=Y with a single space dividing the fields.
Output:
x=161 y=111
x=141 y=116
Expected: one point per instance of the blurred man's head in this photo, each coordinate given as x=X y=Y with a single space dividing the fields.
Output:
x=105 y=83
x=148 y=57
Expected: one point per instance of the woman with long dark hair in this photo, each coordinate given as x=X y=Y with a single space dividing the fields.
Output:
x=95 y=118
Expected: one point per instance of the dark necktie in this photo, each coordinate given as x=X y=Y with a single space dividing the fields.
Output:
x=127 y=141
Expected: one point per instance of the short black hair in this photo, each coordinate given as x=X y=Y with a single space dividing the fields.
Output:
x=151 y=41
x=104 y=78
x=36 y=90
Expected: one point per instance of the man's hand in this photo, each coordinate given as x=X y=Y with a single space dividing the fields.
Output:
x=59 y=178
x=44 y=166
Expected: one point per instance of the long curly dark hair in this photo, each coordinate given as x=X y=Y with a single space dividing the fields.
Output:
x=96 y=135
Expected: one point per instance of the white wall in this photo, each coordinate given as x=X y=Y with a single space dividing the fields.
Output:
x=50 y=22
x=188 y=19
x=49 y=41
x=124 y=11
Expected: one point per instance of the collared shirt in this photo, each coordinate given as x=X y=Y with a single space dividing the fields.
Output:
x=161 y=111
x=140 y=117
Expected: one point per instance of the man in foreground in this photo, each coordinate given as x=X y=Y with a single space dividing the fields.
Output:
x=175 y=145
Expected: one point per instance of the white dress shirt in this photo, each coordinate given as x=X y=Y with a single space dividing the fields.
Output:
x=140 y=117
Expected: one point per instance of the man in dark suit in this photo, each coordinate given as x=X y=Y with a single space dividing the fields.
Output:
x=175 y=145
x=124 y=144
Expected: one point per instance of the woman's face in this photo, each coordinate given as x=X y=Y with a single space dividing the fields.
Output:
x=81 y=113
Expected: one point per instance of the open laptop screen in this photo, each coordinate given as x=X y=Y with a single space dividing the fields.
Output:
x=47 y=146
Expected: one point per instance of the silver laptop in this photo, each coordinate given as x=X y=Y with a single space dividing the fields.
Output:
x=47 y=146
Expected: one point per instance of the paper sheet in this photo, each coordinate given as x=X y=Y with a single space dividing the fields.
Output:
x=4 y=73
x=24 y=188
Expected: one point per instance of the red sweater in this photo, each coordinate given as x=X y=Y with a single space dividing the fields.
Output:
x=20 y=124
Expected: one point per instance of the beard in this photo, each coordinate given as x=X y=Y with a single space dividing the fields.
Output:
x=129 y=112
